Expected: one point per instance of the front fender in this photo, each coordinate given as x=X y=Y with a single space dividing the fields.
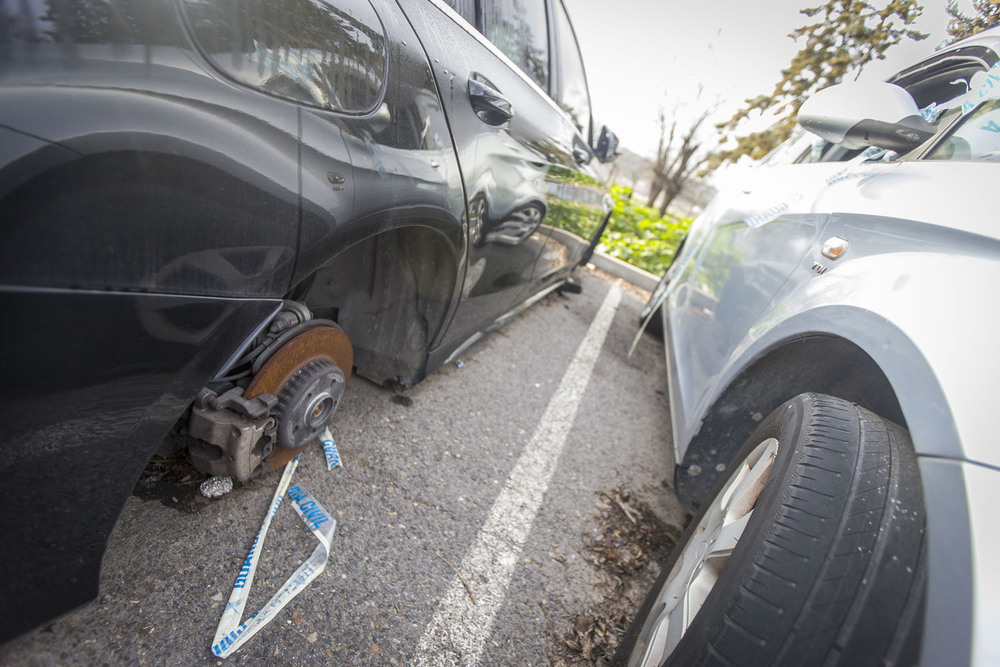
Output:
x=913 y=315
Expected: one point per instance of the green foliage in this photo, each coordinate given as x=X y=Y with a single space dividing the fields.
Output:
x=960 y=26
x=576 y=218
x=846 y=34
x=638 y=235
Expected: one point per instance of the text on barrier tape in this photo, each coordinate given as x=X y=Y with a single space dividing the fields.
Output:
x=233 y=632
x=330 y=449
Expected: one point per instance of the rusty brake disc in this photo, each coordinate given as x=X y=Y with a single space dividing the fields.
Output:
x=324 y=342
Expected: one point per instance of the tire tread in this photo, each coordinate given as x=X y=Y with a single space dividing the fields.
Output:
x=817 y=553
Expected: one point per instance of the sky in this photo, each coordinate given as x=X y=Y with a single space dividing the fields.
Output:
x=644 y=55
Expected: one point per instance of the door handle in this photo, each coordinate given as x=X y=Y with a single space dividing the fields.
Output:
x=488 y=103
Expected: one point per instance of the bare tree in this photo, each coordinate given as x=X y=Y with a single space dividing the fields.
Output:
x=676 y=160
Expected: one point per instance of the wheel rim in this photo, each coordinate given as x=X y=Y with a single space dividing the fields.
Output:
x=704 y=557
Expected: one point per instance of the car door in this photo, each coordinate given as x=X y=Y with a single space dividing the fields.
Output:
x=518 y=150
x=742 y=251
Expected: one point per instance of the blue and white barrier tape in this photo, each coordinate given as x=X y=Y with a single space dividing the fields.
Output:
x=330 y=449
x=233 y=632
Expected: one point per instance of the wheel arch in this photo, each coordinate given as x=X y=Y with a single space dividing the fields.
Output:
x=393 y=292
x=847 y=352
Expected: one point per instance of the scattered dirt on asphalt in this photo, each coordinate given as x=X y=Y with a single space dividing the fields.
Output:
x=399 y=399
x=174 y=482
x=627 y=549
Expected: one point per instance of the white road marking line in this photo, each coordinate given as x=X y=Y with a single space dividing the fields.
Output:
x=459 y=628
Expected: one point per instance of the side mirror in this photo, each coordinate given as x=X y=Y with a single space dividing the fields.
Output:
x=607 y=145
x=858 y=115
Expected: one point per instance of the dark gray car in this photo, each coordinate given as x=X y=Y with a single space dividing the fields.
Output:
x=213 y=212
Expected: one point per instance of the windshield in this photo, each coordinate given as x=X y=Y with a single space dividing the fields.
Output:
x=976 y=136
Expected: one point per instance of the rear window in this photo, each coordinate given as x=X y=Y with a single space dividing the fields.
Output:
x=331 y=56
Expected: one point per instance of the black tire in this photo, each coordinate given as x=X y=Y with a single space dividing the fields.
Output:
x=829 y=568
x=655 y=326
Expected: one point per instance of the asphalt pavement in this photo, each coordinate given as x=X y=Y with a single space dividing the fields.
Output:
x=475 y=515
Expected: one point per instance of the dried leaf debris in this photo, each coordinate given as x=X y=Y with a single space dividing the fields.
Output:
x=626 y=548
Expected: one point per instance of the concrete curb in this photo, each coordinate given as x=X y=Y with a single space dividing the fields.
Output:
x=625 y=271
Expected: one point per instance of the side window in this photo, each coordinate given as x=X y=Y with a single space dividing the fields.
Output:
x=977 y=137
x=519 y=28
x=572 y=95
x=302 y=50
x=465 y=8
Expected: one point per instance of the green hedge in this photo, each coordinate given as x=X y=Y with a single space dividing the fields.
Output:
x=638 y=235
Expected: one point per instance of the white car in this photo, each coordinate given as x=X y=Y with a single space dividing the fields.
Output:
x=830 y=332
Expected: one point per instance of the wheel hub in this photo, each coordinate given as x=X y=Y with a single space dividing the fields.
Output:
x=308 y=391
x=307 y=403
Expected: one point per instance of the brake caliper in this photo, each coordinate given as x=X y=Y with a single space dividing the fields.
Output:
x=230 y=435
